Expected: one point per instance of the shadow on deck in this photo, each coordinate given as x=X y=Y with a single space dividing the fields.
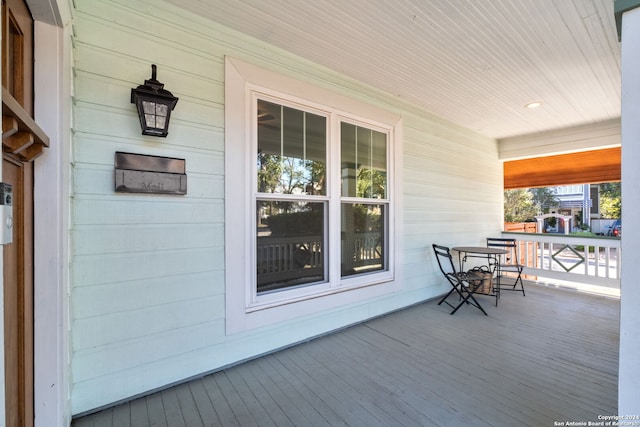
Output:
x=549 y=356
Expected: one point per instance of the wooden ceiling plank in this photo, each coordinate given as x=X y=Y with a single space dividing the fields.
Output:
x=586 y=167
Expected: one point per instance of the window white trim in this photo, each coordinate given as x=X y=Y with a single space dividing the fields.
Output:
x=243 y=309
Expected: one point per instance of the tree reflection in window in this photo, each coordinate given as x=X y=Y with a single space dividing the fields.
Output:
x=291 y=150
x=364 y=179
x=291 y=161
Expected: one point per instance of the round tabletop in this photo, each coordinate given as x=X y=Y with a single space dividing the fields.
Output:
x=481 y=250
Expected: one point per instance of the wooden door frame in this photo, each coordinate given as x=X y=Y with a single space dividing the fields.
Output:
x=21 y=323
x=22 y=142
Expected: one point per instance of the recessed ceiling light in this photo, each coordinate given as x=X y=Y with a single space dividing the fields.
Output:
x=534 y=104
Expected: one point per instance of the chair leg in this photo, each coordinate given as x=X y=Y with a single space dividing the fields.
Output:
x=515 y=284
x=519 y=279
x=465 y=299
x=455 y=288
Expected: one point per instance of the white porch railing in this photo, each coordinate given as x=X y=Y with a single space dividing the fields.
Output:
x=588 y=260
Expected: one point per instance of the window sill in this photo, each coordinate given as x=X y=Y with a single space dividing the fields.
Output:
x=294 y=296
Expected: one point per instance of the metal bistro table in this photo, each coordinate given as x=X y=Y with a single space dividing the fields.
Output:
x=491 y=255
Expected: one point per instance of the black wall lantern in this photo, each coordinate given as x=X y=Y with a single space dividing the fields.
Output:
x=154 y=105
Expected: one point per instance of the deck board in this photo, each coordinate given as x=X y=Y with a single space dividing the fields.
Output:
x=284 y=397
x=203 y=403
x=172 y=409
x=139 y=415
x=188 y=406
x=549 y=356
x=219 y=401
x=156 y=410
x=121 y=416
x=300 y=394
x=262 y=394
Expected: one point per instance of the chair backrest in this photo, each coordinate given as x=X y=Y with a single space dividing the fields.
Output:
x=506 y=244
x=445 y=260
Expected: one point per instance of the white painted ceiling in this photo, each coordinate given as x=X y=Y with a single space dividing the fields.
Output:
x=474 y=62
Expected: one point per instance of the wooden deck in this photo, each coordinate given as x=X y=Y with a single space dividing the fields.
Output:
x=550 y=356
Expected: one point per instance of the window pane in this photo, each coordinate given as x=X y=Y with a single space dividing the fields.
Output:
x=363 y=162
x=291 y=150
x=363 y=238
x=348 y=158
x=290 y=244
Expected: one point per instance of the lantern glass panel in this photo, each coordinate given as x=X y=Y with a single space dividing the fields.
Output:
x=160 y=122
x=150 y=119
x=149 y=107
x=161 y=110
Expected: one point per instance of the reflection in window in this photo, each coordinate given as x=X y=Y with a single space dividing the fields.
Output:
x=293 y=202
x=364 y=176
x=290 y=242
x=363 y=162
x=363 y=238
x=291 y=150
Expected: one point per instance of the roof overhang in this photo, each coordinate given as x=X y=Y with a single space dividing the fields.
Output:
x=586 y=167
x=619 y=8
x=476 y=64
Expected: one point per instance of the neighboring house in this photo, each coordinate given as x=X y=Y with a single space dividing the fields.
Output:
x=134 y=291
x=579 y=201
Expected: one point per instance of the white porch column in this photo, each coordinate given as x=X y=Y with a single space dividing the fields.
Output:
x=629 y=369
x=52 y=90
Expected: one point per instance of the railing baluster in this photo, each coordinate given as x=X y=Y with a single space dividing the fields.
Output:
x=585 y=252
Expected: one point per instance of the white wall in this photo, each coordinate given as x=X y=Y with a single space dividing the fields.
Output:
x=629 y=374
x=147 y=271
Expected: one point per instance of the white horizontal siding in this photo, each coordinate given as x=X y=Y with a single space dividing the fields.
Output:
x=128 y=354
x=135 y=210
x=90 y=240
x=107 y=268
x=147 y=272
x=130 y=295
x=452 y=189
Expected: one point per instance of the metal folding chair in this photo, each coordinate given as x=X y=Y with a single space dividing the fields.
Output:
x=509 y=263
x=463 y=284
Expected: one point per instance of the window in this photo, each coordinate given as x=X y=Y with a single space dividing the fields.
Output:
x=365 y=205
x=309 y=198
x=294 y=201
x=291 y=202
x=594 y=196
